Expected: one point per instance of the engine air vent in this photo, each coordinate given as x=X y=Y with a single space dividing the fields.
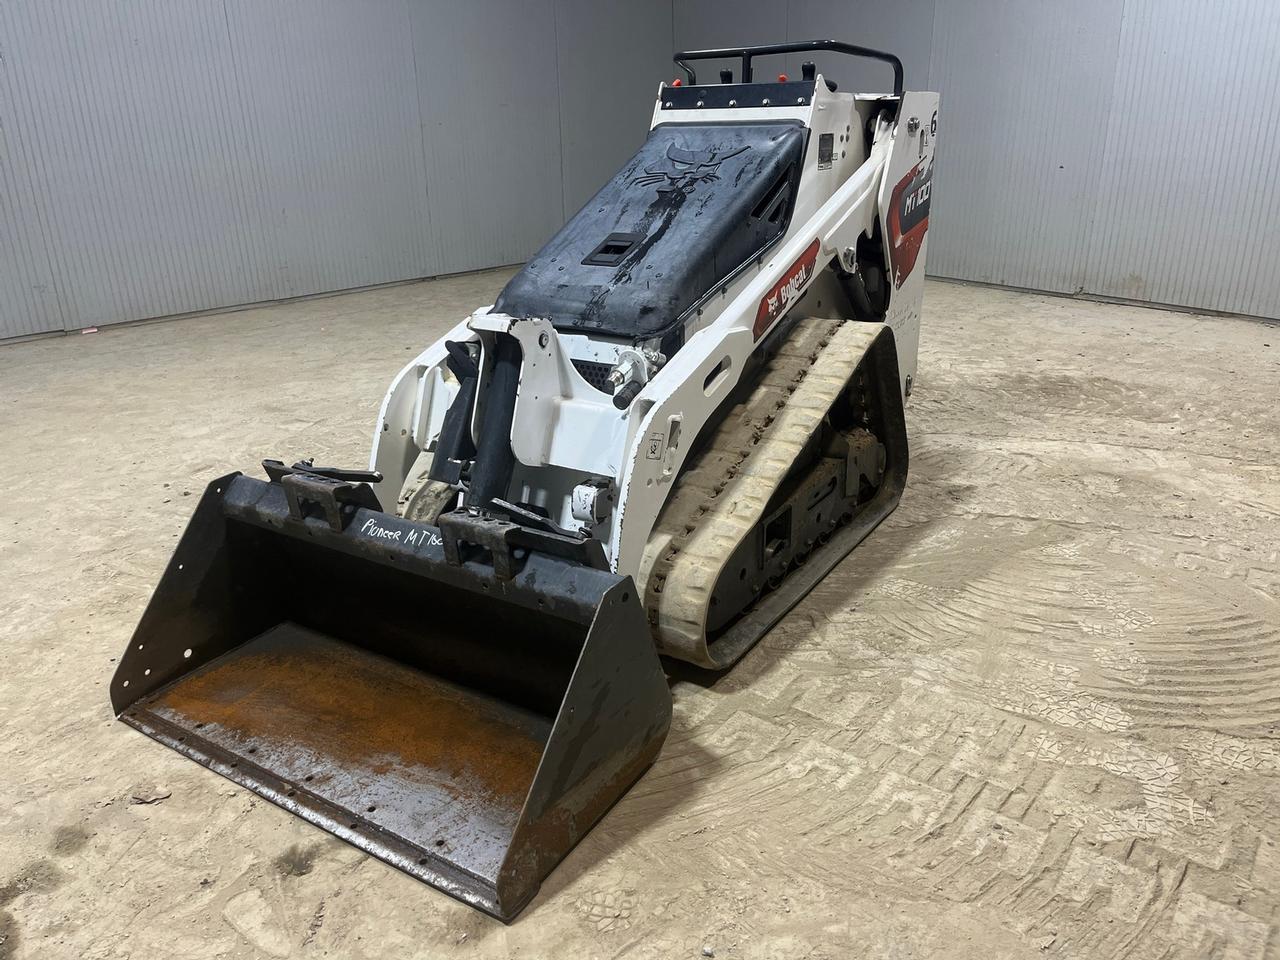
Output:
x=595 y=373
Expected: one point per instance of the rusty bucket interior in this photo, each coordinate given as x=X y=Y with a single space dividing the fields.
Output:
x=464 y=729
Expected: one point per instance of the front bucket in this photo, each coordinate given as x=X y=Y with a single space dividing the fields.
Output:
x=464 y=728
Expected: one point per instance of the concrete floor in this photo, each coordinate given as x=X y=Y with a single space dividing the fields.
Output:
x=1036 y=714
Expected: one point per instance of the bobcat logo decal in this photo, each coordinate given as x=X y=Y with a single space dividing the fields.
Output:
x=685 y=169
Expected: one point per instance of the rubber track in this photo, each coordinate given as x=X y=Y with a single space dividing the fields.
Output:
x=719 y=500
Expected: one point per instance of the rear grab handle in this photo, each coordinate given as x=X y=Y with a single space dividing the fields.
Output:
x=798 y=46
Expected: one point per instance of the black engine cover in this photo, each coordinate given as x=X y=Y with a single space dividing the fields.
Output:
x=695 y=203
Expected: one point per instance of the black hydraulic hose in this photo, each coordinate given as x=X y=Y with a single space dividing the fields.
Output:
x=454 y=443
x=495 y=461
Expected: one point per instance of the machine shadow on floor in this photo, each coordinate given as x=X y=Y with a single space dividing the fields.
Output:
x=895 y=538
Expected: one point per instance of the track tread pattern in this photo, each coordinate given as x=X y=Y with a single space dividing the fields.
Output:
x=719 y=500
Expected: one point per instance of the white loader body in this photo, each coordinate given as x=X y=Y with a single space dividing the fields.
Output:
x=565 y=433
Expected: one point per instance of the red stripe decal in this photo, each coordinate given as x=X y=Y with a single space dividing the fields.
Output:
x=786 y=291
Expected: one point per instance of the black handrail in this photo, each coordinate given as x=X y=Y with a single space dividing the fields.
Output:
x=799 y=46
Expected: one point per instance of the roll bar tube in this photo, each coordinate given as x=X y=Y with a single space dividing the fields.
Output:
x=799 y=46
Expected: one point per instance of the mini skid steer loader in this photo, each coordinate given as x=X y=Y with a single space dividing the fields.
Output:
x=675 y=420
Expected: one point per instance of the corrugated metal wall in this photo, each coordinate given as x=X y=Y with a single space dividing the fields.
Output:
x=1123 y=148
x=1188 y=208
x=607 y=86
x=1120 y=148
x=160 y=157
x=1026 y=89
